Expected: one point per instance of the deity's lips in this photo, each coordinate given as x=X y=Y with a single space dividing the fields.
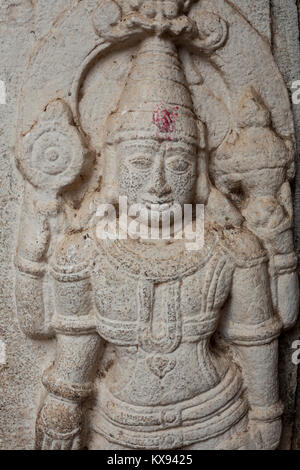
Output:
x=159 y=207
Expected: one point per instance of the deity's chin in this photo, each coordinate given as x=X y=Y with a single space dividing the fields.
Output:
x=167 y=218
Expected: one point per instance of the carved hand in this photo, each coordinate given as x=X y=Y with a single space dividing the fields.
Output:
x=265 y=435
x=59 y=425
x=260 y=435
x=34 y=233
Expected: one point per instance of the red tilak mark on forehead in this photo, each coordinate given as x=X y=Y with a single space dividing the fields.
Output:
x=165 y=120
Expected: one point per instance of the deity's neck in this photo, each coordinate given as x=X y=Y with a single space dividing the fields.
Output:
x=131 y=228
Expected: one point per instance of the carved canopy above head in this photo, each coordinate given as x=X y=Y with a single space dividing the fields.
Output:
x=220 y=52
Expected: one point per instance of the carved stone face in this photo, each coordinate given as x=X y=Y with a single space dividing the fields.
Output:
x=155 y=171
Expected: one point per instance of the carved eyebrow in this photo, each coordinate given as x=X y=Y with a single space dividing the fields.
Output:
x=180 y=148
x=176 y=146
x=142 y=144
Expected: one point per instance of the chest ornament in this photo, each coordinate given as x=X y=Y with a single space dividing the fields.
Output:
x=160 y=325
x=168 y=342
x=153 y=263
x=160 y=365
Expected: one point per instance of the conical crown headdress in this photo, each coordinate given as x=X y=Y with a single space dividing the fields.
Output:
x=156 y=101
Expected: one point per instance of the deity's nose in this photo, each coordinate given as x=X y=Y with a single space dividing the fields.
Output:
x=159 y=186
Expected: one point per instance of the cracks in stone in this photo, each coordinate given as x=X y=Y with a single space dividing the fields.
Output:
x=241 y=13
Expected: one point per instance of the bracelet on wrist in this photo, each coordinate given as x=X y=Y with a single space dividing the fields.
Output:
x=267 y=413
x=34 y=268
x=75 y=393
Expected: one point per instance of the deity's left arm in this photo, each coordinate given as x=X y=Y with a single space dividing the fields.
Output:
x=284 y=275
x=251 y=327
x=271 y=221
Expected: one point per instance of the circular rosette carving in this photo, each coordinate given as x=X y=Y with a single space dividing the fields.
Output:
x=212 y=29
x=52 y=152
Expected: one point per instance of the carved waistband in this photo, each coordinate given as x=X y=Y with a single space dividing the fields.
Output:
x=172 y=426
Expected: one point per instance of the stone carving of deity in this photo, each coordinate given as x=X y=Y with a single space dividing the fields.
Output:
x=158 y=346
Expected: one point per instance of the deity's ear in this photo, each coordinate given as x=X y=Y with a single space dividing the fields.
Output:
x=218 y=208
x=203 y=183
x=110 y=179
x=221 y=211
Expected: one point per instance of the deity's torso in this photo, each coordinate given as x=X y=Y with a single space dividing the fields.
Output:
x=158 y=307
x=166 y=378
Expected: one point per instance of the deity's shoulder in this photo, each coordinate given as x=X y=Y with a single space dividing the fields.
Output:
x=72 y=256
x=243 y=246
x=70 y=268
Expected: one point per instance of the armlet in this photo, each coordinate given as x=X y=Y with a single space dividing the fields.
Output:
x=284 y=264
x=74 y=325
x=70 y=273
x=252 y=335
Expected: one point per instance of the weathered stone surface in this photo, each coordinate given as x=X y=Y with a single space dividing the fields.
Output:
x=286 y=48
x=161 y=102
x=258 y=13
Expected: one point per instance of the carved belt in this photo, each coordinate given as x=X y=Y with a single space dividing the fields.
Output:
x=128 y=333
x=172 y=426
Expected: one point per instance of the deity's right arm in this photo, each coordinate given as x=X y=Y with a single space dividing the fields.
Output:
x=31 y=263
x=70 y=269
x=69 y=380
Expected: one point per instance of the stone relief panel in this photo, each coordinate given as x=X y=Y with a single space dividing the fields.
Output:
x=157 y=347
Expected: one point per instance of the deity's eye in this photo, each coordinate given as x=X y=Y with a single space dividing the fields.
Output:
x=178 y=164
x=141 y=163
